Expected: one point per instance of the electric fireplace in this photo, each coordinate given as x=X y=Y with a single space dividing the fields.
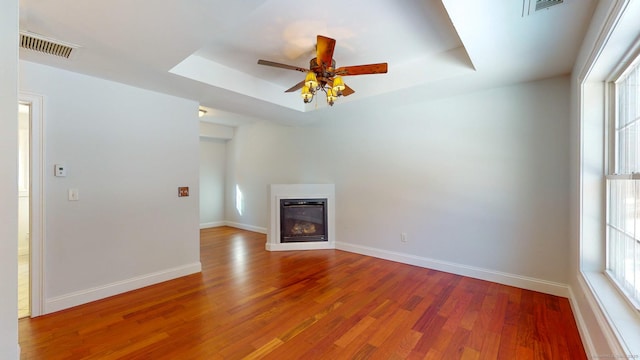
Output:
x=301 y=217
x=303 y=220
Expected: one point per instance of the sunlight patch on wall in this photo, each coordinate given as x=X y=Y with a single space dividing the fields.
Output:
x=239 y=201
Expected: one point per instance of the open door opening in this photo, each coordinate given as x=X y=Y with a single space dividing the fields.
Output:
x=24 y=203
x=30 y=217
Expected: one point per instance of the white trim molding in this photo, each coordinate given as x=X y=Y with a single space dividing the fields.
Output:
x=258 y=229
x=215 y=224
x=593 y=305
x=100 y=292
x=212 y=224
x=607 y=325
x=524 y=282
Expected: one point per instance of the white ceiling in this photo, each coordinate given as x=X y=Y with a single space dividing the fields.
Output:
x=207 y=50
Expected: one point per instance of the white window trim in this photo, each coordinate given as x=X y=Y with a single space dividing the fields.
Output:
x=618 y=322
x=620 y=318
x=627 y=64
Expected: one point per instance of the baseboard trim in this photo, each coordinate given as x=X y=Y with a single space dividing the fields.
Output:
x=524 y=282
x=100 y=292
x=585 y=335
x=616 y=322
x=247 y=227
x=212 y=224
x=315 y=245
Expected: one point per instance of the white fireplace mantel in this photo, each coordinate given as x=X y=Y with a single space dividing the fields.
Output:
x=300 y=191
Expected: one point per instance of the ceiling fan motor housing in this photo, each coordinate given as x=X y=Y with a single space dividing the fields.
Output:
x=317 y=68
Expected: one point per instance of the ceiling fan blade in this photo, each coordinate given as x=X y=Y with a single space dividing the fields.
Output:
x=347 y=90
x=324 y=50
x=283 y=66
x=295 y=87
x=380 y=68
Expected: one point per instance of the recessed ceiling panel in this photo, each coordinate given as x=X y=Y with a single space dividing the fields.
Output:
x=365 y=33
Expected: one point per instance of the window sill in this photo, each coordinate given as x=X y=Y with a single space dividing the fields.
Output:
x=622 y=318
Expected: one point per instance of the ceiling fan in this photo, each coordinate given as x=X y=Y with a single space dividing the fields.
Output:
x=322 y=74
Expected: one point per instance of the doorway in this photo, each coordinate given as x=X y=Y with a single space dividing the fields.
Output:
x=24 y=219
x=30 y=212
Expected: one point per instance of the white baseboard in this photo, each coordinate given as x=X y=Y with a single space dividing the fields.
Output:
x=547 y=287
x=257 y=229
x=212 y=224
x=524 y=282
x=583 y=329
x=606 y=322
x=315 y=245
x=100 y=292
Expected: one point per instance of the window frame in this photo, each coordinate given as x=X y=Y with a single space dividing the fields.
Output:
x=613 y=159
x=609 y=324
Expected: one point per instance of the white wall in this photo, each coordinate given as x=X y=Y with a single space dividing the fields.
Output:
x=478 y=180
x=215 y=131
x=8 y=180
x=127 y=150
x=212 y=175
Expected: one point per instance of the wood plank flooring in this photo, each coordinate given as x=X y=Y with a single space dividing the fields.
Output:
x=24 y=309
x=327 y=304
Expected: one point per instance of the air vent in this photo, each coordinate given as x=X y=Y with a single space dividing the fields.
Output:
x=529 y=7
x=45 y=45
x=543 y=4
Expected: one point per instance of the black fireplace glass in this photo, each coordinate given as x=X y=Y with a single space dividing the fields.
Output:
x=303 y=220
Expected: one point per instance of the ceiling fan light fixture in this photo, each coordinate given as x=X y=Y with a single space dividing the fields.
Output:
x=311 y=81
x=322 y=74
x=331 y=96
x=338 y=84
x=306 y=94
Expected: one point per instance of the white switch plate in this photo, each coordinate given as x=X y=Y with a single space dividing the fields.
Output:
x=60 y=170
x=74 y=195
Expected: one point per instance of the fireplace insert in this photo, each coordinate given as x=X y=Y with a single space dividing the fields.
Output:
x=303 y=220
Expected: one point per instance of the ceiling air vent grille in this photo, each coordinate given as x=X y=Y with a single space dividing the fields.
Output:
x=530 y=7
x=543 y=4
x=45 y=45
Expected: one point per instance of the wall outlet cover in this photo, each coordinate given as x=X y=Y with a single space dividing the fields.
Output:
x=60 y=170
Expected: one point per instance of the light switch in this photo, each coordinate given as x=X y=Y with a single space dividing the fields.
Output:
x=60 y=170
x=74 y=195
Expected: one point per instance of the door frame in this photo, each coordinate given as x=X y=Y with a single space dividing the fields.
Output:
x=36 y=201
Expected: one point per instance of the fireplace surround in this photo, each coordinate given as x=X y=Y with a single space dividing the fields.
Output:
x=304 y=229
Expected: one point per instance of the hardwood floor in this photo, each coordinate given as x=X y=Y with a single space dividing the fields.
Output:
x=326 y=304
x=23 y=286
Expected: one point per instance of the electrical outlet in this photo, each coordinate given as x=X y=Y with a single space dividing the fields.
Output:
x=60 y=170
x=403 y=238
x=74 y=195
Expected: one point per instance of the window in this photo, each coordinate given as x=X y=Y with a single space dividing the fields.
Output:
x=623 y=188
